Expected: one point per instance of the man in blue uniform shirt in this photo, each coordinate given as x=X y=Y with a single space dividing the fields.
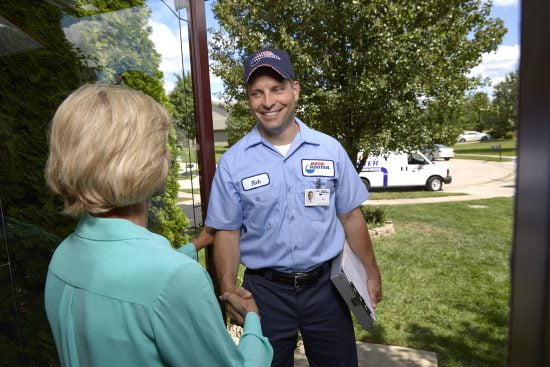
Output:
x=284 y=199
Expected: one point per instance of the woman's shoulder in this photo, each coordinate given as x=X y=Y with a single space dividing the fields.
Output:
x=132 y=270
x=163 y=260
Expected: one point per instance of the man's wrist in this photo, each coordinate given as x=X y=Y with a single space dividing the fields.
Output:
x=228 y=288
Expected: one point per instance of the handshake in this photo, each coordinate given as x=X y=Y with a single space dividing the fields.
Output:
x=238 y=303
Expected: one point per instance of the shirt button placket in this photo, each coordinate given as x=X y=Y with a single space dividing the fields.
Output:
x=290 y=209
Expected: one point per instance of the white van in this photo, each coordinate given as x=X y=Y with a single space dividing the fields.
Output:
x=404 y=169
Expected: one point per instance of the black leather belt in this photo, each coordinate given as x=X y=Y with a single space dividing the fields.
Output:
x=297 y=280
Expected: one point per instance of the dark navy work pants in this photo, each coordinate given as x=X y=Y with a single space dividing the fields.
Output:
x=318 y=311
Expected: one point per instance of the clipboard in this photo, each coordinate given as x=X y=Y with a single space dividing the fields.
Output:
x=350 y=279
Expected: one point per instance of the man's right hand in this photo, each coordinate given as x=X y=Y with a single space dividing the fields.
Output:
x=238 y=303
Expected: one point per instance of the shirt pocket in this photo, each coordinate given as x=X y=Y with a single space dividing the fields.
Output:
x=261 y=208
x=317 y=213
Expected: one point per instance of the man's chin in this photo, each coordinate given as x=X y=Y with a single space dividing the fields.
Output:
x=273 y=130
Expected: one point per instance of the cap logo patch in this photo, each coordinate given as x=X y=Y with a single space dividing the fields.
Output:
x=263 y=55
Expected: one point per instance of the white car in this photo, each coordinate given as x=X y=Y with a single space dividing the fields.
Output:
x=473 y=136
x=438 y=151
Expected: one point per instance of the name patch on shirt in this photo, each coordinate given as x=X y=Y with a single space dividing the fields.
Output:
x=312 y=167
x=254 y=182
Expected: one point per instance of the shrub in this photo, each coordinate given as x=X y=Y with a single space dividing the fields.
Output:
x=374 y=216
x=495 y=134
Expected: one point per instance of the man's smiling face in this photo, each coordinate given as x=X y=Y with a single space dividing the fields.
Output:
x=272 y=101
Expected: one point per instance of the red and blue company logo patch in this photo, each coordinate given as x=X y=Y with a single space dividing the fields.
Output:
x=311 y=167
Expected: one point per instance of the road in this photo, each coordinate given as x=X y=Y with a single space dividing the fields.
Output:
x=477 y=179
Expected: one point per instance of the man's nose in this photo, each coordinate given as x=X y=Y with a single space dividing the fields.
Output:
x=269 y=100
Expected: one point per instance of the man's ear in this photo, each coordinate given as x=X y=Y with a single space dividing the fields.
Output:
x=296 y=90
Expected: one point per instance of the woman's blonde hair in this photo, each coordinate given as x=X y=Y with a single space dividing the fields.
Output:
x=108 y=149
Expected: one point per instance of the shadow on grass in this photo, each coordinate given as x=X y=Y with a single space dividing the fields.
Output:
x=376 y=333
x=480 y=343
x=465 y=343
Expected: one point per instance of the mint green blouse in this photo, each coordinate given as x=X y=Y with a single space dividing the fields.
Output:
x=119 y=295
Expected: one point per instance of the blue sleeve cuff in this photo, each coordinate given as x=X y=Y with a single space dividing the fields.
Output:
x=363 y=198
x=222 y=226
x=189 y=250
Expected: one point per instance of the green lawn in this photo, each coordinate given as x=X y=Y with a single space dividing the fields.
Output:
x=446 y=281
x=508 y=149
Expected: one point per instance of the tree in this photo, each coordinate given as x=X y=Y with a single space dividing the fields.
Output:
x=446 y=119
x=181 y=98
x=505 y=103
x=366 y=67
x=478 y=112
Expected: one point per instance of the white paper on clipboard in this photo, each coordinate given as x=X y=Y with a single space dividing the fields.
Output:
x=350 y=278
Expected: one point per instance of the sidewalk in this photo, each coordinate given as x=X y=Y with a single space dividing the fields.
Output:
x=505 y=157
x=377 y=355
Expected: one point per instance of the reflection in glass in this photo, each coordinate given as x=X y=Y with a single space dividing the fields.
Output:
x=114 y=42
x=48 y=49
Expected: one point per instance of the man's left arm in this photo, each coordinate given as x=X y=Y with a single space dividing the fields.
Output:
x=357 y=235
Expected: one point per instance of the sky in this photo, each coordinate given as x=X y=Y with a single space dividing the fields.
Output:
x=496 y=65
x=165 y=35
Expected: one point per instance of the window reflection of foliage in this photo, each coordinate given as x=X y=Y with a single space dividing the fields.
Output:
x=165 y=217
x=31 y=250
x=181 y=98
x=32 y=85
x=115 y=35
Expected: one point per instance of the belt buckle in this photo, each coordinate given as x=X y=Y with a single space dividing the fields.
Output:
x=298 y=277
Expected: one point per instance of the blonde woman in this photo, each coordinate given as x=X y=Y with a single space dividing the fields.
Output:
x=117 y=294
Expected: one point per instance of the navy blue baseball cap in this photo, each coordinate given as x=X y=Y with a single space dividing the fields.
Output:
x=275 y=59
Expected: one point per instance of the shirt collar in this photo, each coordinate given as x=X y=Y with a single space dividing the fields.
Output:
x=305 y=135
x=111 y=229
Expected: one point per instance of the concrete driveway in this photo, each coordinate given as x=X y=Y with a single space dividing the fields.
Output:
x=477 y=179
